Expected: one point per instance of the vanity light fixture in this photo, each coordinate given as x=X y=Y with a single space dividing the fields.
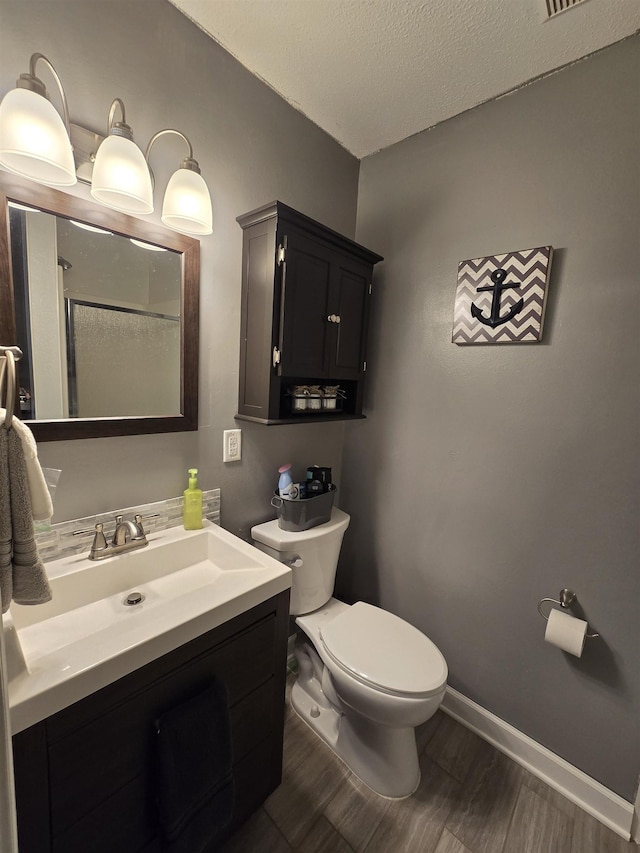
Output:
x=187 y=204
x=34 y=139
x=37 y=143
x=121 y=177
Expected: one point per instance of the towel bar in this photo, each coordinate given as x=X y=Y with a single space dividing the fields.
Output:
x=9 y=356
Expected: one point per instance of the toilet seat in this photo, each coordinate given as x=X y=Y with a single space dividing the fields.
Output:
x=383 y=651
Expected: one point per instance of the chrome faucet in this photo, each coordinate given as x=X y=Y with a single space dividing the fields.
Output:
x=129 y=531
x=127 y=536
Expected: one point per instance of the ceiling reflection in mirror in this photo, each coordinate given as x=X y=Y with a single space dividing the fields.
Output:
x=97 y=317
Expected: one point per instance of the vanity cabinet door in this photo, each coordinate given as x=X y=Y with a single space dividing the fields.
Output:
x=85 y=777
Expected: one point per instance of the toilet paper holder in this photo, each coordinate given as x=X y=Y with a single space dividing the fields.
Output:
x=566 y=600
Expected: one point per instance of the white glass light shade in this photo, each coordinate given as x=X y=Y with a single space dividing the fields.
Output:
x=33 y=139
x=121 y=177
x=187 y=204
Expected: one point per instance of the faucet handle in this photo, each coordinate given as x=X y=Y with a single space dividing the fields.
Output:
x=99 y=540
x=140 y=518
x=137 y=520
x=97 y=531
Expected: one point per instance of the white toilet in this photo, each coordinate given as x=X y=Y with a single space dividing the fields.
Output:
x=366 y=677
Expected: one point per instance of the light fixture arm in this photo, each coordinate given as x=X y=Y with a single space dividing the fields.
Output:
x=188 y=162
x=118 y=128
x=186 y=206
x=33 y=83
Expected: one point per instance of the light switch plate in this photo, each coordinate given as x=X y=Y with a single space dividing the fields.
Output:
x=232 y=445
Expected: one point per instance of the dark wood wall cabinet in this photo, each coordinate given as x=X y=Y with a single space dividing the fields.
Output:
x=305 y=310
x=86 y=776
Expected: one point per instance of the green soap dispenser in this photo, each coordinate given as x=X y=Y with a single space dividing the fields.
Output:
x=192 y=510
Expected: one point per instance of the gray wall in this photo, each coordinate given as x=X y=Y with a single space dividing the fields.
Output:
x=488 y=477
x=252 y=148
x=484 y=478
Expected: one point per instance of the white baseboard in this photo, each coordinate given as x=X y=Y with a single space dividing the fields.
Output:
x=607 y=807
x=635 y=823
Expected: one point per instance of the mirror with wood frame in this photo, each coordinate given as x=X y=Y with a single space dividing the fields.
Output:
x=105 y=308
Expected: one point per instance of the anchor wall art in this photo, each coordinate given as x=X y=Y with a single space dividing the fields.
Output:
x=501 y=299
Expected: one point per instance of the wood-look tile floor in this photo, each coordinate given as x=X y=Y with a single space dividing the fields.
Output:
x=472 y=799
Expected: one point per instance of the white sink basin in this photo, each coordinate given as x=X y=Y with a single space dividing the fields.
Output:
x=87 y=637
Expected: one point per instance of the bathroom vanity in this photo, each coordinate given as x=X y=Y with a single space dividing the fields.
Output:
x=90 y=676
x=85 y=776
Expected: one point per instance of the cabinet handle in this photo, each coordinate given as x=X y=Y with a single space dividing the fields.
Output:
x=333 y=318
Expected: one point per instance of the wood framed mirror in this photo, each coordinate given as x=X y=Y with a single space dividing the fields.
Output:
x=105 y=308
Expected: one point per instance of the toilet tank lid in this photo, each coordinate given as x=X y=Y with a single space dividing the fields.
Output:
x=270 y=533
x=383 y=650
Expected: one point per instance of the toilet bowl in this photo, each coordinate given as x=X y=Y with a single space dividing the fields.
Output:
x=366 y=677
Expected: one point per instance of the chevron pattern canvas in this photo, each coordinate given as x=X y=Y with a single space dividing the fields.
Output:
x=501 y=299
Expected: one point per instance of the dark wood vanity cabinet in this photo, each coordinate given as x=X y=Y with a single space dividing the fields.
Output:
x=305 y=311
x=85 y=777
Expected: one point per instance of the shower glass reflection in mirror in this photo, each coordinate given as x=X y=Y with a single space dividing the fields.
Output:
x=98 y=320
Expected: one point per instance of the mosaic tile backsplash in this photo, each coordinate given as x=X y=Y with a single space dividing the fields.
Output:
x=59 y=541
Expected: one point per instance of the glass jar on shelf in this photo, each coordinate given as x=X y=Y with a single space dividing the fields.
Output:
x=314 y=400
x=330 y=397
x=299 y=397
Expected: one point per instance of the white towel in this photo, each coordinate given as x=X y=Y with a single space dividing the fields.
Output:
x=41 y=504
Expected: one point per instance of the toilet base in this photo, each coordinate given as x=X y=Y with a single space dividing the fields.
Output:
x=385 y=759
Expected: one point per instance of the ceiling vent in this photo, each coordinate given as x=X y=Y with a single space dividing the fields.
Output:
x=554 y=7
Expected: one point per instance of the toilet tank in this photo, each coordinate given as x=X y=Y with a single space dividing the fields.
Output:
x=311 y=554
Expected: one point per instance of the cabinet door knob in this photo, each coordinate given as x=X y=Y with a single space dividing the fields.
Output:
x=336 y=318
x=331 y=318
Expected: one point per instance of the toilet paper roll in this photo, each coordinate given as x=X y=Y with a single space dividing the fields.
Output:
x=566 y=632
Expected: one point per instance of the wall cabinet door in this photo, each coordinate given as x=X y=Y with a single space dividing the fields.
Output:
x=351 y=297
x=325 y=310
x=305 y=333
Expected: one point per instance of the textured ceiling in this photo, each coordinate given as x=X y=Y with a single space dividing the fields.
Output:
x=372 y=72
